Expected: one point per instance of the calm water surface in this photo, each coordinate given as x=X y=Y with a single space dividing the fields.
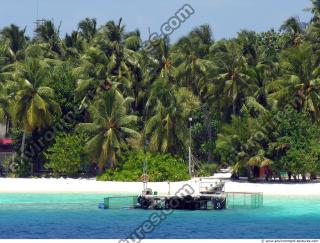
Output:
x=77 y=216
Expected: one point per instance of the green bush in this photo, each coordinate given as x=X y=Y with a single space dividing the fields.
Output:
x=160 y=168
x=20 y=168
x=208 y=169
x=64 y=157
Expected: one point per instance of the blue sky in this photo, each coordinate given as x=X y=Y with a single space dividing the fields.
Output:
x=226 y=17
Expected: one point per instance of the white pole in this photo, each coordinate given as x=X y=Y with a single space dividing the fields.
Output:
x=190 y=163
x=145 y=167
x=190 y=152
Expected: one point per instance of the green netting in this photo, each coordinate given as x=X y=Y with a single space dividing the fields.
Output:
x=120 y=202
x=244 y=200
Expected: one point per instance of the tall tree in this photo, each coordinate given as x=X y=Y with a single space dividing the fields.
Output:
x=88 y=28
x=299 y=84
x=296 y=30
x=34 y=107
x=232 y=80
x=16 y=37
x=111 y=129
x=48 y=33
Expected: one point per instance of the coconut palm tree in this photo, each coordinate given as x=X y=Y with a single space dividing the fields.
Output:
x=167 y=121
x=260 y=76
x=160 y=65
x=166 y=129
x=133 y=40
x=236 y=144
x=16 y=37
x=5 y=106
x=74 y=43
x=118 y=47
x=34 y=107
x=7 y=56
x=299 y=84
x=296 y=29
x=249 y=43
x=202 y=36
x=88 y=28
x=192 y=68
x=315 y=9
x=111 y=129
x=232 y=80
x=48 y=33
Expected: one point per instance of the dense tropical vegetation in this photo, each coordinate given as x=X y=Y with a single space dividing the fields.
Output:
x=254 y=100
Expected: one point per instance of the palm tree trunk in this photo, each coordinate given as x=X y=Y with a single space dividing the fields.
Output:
x=209 y=132
x=210 y=151
x=22 y=145
x=22 y=150
x=6 y=126
x=234 y=108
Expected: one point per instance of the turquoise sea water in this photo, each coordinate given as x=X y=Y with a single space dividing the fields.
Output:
x=77 y=216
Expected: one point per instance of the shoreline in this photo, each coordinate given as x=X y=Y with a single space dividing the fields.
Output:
x=92 y=186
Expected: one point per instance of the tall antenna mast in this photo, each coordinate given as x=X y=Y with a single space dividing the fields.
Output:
x=38 y=21
x=37 y=14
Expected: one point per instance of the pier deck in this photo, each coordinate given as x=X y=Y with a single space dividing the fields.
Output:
x=219 y=201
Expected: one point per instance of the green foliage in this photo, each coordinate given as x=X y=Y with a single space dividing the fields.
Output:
x=208 y=169
x=63 y=83
x=205 y=128
x=64 y=157
x=20 y=168
x=160 y=168
x=296 y=148
x=110 y=130
x=287 y=141
x=236 y=90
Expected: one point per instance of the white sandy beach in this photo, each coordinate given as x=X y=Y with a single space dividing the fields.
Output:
x=17 y=185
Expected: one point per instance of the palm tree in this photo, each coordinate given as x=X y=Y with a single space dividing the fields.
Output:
x=119 y=49
x=16 y=37
x=5 y=106
x=299 y=84
x=313 y=29
x=202 y=36
x=315 y=9
x=166 y=130
x=260 y=76
x=88 y=28
x=249 y=43
x=48 y=33
x=132 y=40
x=192 y=68
x=232 y=80
x=102 y=66
x=236 y=145
x=120 y=58
x=295 y=29
x=34 y=106
x=74 y=44
x=166 y=125
x=111 y=129
x=160 y=65
x=115 y=32
x=6 y=56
